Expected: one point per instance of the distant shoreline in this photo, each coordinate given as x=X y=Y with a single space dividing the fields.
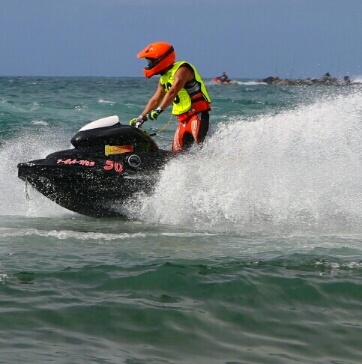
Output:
x=325 y=80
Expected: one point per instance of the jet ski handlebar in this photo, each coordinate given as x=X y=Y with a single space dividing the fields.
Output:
x=138 y=122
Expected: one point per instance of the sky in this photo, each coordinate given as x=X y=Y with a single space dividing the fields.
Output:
x=246 y=38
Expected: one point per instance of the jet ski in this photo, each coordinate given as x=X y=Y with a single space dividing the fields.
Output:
x=218 y=80
x=110 y=163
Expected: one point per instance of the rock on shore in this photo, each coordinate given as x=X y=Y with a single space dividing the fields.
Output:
x=325 y=80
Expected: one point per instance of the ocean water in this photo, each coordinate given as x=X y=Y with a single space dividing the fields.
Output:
x=249 y=250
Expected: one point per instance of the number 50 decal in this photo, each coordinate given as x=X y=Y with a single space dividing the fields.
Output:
x=118 y=167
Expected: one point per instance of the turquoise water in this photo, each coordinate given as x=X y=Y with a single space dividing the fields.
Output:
x=249 y=250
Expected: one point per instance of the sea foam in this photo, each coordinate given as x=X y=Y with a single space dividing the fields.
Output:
x=299 y=170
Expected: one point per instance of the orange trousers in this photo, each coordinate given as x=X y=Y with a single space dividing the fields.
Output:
x=194 y=129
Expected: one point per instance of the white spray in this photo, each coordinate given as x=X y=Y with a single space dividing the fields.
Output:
x=293 y=172
x=15 y=197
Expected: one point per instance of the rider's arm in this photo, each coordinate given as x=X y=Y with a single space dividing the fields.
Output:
x=182 y=75
x=155 y=100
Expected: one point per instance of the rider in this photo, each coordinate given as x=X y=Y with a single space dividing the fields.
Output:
x=224 y=77
x=181 y=85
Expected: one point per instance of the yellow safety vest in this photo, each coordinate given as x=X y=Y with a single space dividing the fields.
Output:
x=184 y=102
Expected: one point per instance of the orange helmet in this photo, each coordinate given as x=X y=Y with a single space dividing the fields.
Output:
x=160 y=55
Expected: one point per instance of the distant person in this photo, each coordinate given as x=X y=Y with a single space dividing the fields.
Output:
x=224 y=77
x=182 y=86
x=328 y=79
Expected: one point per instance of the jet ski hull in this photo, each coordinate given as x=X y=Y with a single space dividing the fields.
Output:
x=93 y=180
x=95 y=192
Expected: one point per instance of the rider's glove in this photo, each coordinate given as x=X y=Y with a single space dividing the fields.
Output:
x=152 y=115
x=137 y=122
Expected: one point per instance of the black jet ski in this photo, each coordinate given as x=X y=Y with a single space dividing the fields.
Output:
x=109 y=163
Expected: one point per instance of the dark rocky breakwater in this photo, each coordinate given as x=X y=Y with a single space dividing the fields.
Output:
x=325 y=80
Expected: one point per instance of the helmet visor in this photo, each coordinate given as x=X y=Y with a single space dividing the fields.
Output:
x=151 y=63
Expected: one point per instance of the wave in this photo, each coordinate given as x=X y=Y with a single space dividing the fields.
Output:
x=236 y=82
x=101 y=101
x=357 y=79
x=299 y=170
